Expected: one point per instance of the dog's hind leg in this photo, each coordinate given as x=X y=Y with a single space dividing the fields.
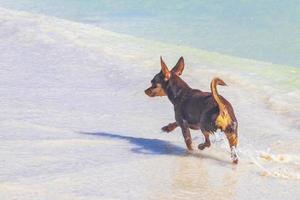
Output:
x=207 y=141
x=170 y=127
x=233 y=140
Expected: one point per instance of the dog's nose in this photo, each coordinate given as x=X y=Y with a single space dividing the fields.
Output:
x=148 y=92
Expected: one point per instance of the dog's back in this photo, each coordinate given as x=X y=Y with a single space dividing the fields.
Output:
x=201 y=110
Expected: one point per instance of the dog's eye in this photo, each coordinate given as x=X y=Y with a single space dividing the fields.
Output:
x=153 y=85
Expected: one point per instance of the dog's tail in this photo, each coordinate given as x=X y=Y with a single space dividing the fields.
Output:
x=224 y=119
x=213 y=86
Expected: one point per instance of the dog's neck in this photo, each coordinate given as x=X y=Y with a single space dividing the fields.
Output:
x=176 y=89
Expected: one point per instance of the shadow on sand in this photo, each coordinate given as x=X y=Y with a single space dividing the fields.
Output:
x=154 y=146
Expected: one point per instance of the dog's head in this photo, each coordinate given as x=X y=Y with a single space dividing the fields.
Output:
x=160 y=80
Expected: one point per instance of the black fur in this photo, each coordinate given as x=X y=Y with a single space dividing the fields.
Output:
x=193 y=108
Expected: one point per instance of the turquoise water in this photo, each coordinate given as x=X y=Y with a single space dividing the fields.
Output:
x=261 y=30
x=74 y=118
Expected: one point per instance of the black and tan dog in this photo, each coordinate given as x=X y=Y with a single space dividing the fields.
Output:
x=195 y=109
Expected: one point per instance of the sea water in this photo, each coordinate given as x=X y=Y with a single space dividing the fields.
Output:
x=75 y=120
x=260 y=30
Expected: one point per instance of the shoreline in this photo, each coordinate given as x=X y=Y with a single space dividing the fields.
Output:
x=75 y=119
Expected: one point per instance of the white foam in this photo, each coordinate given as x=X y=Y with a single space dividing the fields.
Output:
x=64 y=83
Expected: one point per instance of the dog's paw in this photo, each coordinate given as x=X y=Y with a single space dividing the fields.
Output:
x=166 y=129
x=234 y=155
x=190 y=148
x=190 y=151
x=235 y=161
x=203 y=146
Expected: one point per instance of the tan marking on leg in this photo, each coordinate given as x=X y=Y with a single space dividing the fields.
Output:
x=233 y=140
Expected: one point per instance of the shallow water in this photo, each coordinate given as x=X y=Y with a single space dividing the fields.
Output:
x=260 y=30
x=75 y=119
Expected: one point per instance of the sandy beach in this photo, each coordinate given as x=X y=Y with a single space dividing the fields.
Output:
x=75 y=122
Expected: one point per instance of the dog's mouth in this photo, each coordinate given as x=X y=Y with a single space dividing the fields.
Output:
x=149 y=92
x=155 y=91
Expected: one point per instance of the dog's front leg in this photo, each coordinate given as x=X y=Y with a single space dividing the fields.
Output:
x=187 y=135
x=170 y=127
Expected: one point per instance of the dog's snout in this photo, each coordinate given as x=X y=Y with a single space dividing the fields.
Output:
x=148 y=92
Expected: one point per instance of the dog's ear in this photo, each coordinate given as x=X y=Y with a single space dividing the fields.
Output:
x=179 y=67
x=164 y=69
